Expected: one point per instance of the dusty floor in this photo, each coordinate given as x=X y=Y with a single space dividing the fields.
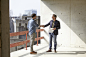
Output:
x=42 y=48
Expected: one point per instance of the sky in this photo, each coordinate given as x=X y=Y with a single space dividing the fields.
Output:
x=18 y=7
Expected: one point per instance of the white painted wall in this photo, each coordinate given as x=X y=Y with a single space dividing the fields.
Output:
x=72 y=16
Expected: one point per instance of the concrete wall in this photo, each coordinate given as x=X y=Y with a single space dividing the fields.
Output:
x=72 y=16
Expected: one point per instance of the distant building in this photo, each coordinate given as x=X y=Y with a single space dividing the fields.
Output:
x=11 y=26
x=29 y=12
x=21 y=25
x=16 y=17
x=13 y=23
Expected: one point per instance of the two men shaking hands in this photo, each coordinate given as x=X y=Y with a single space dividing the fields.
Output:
x=54 y=24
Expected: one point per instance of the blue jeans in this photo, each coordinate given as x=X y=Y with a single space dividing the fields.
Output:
x=55 y=42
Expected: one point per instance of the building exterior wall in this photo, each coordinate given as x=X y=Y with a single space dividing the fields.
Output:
x=11 y=26
x=30 y=12
x=72 y=16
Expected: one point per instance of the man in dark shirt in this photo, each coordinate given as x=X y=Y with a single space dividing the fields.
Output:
x=55 y=24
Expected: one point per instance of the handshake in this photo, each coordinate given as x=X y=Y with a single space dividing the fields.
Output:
x=42 y=26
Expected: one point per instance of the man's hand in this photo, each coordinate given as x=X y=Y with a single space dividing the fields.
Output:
x=54 y=28
x=42 y=26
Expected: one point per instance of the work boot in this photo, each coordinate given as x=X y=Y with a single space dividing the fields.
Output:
x=33 y=53
x=49 y=50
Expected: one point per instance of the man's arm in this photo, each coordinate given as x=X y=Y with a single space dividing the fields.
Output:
x=47 y=24
x=28 y=25
x=35 y=24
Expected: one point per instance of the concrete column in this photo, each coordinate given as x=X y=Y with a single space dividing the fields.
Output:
x=0 y=28
x=5 y=39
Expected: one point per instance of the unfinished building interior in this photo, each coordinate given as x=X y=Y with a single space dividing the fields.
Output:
x=71 y=14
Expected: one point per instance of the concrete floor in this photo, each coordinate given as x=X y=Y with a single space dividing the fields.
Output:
x=42 y=48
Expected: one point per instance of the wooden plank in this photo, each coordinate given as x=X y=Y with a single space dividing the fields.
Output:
x=38 y=30
x=19 y=43
x=41 y=29
x=38 y=38
x=18 y=33
x=23 y=32
x=23 y=42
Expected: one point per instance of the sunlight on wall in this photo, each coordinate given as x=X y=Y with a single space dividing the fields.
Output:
x=67 y=37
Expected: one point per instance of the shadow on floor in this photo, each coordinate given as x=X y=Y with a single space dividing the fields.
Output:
x=58 y=53
x=35 y=50
x=62 y=52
